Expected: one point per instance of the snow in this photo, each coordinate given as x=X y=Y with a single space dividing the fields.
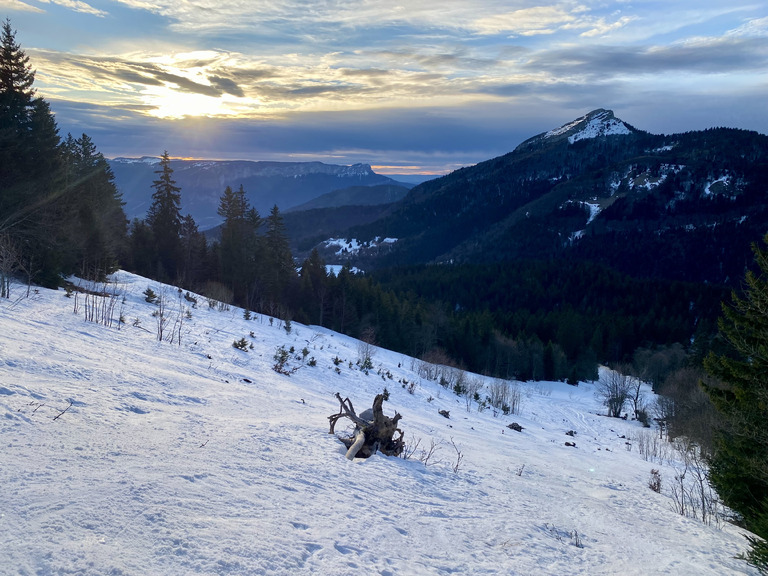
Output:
x=125 y=455
x=335 y=269
x=722 y=182
x=565 y=128
x=600 y=125
x=353 y=246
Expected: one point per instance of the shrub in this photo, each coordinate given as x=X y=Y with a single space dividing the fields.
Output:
x=150 y=296
x=654 y=482
x=281 y=358
x=241 y=344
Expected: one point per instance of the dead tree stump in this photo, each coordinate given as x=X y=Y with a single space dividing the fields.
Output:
x=374 y=431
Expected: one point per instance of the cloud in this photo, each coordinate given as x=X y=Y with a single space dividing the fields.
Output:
x=699 y=56
x=226 y=86
x=17 y=5
x=757 y=27
x=526 y=21
x=77 y=6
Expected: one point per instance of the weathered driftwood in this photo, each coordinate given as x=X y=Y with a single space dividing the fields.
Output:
x=374 y=431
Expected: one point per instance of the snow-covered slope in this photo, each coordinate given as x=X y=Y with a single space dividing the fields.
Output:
x=593 y=125
x=125 y=455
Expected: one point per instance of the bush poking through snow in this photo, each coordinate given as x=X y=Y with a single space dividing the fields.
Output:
x=281 y=365
x=654 y=482
x=241 y=344
x=692 y=494
x=562 y=535
x=150 y=296
x=459 y=458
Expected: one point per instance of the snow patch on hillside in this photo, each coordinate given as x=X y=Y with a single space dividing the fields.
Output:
x=347 y=246
x=716 y=185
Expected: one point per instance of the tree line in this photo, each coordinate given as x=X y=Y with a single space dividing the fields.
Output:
x=60 y=211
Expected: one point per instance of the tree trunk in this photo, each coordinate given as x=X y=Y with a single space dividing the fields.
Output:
x=371 y=435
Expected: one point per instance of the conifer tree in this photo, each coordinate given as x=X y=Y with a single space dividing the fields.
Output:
x=32 y=194
x=739 y=465
x=16 y=79
x=239 y=247
x=314 y=287
x=16 y=96
x=193 y=252
x=164 y=219
x=280 y=271
x=97 y=223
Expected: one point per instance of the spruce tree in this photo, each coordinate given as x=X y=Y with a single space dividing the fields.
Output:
x=280 y=272
x=193 y=252
x=16 y=79
x=314 y=287
x=739 y=465
x=240 y=251
x=16 y=96
x=97 y=222
x=32 y=194
x=164 y=219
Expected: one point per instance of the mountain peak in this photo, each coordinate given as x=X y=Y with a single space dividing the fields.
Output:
x=596 y=124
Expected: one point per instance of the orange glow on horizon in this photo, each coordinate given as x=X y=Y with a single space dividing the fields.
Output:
x=414 y=170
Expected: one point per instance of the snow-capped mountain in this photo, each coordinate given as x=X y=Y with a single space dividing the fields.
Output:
x=593 y=125
x=131 y=450
x=682 y=206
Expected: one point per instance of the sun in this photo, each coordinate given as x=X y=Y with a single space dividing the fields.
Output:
x=169 y=103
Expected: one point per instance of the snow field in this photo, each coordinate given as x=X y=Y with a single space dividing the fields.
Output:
x=200 y=459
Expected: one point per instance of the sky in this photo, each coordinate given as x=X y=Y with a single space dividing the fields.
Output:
x=417 y=87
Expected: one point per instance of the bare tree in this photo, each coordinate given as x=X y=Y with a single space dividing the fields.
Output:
x=613 y=388
x=636 y=396
x=9 y=262
x=472 y=388
x=366 y=349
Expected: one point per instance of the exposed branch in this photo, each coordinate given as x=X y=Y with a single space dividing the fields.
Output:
x=60 y=414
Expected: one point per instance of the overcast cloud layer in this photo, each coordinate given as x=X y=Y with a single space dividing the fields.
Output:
x=405 y=87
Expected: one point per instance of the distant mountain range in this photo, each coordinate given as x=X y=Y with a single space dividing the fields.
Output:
x=682 y=206
x=286 y=184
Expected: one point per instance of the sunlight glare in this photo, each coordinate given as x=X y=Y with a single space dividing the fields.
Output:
x=172 y=104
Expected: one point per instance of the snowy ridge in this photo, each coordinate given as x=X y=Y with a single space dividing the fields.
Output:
x=593 y=125
x=151 y=160
x=600 y=125
x=262 y=168
x=125 y=455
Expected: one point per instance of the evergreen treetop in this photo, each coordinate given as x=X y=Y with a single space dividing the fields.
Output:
x=16 y=75
x=166 y=199
x=164 y=219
